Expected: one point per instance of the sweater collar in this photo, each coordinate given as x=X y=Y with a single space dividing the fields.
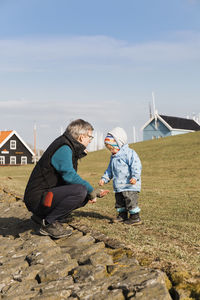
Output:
x=79 y=149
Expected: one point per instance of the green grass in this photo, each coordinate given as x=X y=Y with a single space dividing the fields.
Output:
x=169 y=201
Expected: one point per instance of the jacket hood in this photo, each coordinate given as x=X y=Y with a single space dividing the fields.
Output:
x=119 y=135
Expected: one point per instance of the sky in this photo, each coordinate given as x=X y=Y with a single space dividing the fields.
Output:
x=61 y=60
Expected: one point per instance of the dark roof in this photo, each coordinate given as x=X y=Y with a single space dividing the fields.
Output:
x=181 y=123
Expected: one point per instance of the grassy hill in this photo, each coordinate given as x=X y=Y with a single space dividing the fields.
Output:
x=169 y=201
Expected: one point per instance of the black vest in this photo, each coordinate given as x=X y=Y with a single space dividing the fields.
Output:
x=44 y=176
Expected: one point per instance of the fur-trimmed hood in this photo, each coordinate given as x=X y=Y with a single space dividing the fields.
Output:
x=119 y=135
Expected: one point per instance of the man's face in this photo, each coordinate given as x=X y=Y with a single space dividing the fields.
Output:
x=85 y=139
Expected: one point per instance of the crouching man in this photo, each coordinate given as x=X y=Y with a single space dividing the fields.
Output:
x=54 y=188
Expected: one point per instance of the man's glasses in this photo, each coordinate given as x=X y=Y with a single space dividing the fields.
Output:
x=90 y=137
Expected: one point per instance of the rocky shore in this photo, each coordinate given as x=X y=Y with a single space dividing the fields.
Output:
x=82 y=266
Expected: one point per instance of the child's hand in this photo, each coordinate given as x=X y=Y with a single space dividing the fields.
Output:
x=133 y=181
x=101 y=182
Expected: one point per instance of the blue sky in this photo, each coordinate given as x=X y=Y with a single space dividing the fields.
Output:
x=97 y=60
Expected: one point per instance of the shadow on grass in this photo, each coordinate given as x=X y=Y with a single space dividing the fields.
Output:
x=14 y=226
x=89 y=214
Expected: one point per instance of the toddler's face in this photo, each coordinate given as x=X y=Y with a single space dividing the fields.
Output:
x=111 y=149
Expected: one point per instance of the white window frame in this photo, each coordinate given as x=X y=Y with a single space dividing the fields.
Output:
x=2 y=160
x=12 y=158
x=23 y=160
x=13 y=144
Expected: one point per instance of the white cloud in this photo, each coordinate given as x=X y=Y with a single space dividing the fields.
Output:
x=49 y=117
x=59 y=109
x=12 y=105
x=41 y=54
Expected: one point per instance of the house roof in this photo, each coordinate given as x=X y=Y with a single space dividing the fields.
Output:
x=6 y=135
x=3 y=135
x=175 y=123
x=181 y=123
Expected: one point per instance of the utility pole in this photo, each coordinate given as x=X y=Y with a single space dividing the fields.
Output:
x=154 y=107
x=34 y=133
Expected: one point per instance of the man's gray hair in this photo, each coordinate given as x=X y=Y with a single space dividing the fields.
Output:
x=78 y=127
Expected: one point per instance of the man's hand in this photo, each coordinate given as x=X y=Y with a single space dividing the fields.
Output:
x=100 y=193
x=92 y=201
x=96 y=193
x=133 y=181
x=103 y=193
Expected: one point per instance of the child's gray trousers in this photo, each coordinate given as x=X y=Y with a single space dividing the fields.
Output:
x=127 y=201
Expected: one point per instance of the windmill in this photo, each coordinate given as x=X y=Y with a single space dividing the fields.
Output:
x=155 y=113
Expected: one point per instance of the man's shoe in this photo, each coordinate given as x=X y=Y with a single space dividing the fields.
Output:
x=55 y=230
x=122 y=216
x=134 y=219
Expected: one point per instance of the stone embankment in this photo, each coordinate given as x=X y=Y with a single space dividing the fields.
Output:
x=82 y=266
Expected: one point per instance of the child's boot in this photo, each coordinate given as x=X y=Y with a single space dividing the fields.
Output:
x=122 y=216
x=134 y=219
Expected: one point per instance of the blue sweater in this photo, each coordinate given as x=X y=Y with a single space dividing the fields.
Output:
x=62 y=162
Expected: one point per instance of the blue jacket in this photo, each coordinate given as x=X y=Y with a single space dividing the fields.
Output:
x=122 y=167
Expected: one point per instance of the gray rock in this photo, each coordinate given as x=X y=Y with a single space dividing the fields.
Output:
x=82 y=266
x=56 y=271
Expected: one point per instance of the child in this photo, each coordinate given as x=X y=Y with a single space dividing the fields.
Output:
x=125 y=170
